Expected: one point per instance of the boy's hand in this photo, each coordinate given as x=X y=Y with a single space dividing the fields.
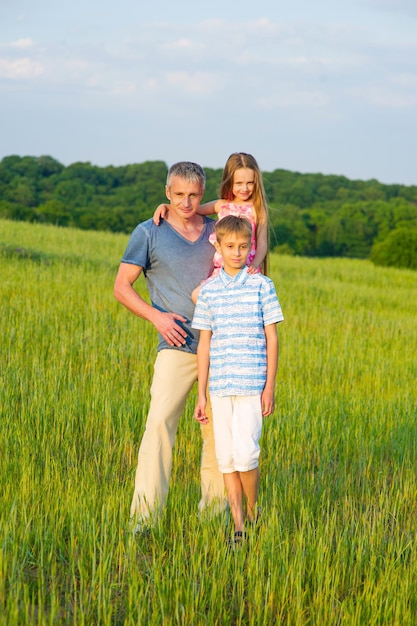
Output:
x=160 y=212
x=200 y=412
x=267 y=402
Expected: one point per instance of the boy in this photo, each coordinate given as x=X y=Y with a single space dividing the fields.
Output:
x=237 y=314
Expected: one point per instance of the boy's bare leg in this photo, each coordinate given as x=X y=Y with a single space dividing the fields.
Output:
x=250 y=484
x=234 y=492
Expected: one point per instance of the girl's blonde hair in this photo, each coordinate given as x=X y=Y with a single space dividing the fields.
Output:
x=237 y=161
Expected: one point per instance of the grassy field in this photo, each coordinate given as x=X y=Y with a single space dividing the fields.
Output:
x=337 y=544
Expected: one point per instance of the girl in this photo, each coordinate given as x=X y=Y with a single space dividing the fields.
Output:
x=242 y=194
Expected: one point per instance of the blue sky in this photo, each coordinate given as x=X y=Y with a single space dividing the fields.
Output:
x=323 y=86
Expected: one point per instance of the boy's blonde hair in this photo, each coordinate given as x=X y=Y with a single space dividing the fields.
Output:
x=232 y=224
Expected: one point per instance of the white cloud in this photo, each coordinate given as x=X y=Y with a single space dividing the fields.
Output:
x=22 y=43
x=151 y=85
x=18 y=69
x=260 y=60
x=407 y=7
x=388 y=96
x=124 y=88
x=289 y=98
x=283 y=73
x=197 y=83
x=181 y=44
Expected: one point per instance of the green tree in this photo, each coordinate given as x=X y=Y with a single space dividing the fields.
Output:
x=309 y=214
x=288 y=227
x=399 y=249
x=54 y=212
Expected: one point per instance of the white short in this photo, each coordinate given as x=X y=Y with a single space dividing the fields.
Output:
x=237 y=424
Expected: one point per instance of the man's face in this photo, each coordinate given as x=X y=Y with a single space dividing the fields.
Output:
x=184 y=197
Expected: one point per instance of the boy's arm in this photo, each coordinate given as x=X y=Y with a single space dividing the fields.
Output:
x=272 y=350
x=203 y=363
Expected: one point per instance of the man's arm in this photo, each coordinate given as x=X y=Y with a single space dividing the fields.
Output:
x=272 y=350
x=203 y=363
x=165 y=323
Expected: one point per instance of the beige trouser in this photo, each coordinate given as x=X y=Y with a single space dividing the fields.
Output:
x=175 y=372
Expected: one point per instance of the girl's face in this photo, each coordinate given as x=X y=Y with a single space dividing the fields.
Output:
x=243 y=184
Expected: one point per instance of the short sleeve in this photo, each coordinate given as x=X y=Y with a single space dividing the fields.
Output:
x=137 y=250
x=202 y=315
x=271 y=308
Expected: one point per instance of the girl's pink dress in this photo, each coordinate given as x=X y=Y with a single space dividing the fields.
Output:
x=240 y=210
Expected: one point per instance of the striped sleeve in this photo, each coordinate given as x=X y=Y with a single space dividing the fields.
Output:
x=271 y=307
x=202 y=316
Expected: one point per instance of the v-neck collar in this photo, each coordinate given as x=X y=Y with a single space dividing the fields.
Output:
x=185 y=238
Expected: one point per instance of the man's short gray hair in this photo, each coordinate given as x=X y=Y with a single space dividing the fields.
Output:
x=191 y=172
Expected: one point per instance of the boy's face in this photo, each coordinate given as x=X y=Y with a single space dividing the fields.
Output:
x=234 y=250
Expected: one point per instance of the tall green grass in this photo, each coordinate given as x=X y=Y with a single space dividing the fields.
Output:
x=339 y=456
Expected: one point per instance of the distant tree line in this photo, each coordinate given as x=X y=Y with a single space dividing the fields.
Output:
x=309 y=214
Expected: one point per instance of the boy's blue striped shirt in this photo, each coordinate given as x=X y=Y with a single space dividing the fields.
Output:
x=236 y=311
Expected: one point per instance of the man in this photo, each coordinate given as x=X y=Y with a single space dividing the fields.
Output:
x=174 y=257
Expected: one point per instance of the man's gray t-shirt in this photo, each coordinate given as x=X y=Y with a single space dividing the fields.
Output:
x=173 y=268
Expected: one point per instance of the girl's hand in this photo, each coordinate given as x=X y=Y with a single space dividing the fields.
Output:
x=160 y=212
x=253 y=269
